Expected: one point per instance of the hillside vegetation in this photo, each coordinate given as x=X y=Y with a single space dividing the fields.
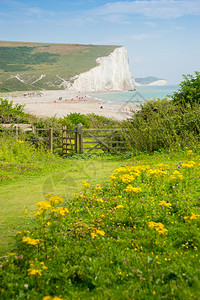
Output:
x=35 y=66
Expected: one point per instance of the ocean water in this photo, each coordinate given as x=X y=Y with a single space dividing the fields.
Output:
x=138 y=97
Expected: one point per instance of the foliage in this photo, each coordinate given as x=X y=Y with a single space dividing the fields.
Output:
x=189 y=91
x=136 y=237
x=77 y=118
x=162 y=125
x=19 y=157
x=15 y=59
x=10 y=113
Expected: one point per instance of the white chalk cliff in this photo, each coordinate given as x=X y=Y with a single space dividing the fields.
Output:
x=111 y=74
x=154 y=83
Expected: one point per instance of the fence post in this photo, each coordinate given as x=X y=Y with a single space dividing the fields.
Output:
x=76 y=141
x=80 y=137
x=16 y=130
x=51 y=139
x=64 y=140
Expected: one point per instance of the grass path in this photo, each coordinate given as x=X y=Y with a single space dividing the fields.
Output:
x=64 y=179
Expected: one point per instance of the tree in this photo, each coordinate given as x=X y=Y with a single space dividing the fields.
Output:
x=189 y=92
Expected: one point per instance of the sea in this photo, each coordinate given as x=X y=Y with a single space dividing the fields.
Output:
x=138 y=97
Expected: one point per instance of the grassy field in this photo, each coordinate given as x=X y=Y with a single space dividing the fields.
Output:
x=24 y=184
x=105 y=227
x=31 y=60
x=110 y=227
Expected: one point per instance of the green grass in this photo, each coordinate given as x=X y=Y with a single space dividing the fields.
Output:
x=103 y=246
x=59 y=176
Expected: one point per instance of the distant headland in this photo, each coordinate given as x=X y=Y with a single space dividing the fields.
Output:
x=150 y=81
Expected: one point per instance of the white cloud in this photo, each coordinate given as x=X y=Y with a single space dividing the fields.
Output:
x=161 y=9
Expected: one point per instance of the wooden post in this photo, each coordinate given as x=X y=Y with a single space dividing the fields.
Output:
x=76 y=141
x=51 y=139
x=80 y=137
x=64 y=140
x=33 y=128
x=16 y=129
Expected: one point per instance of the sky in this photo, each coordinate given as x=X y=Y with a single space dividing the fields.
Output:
x=162 y=37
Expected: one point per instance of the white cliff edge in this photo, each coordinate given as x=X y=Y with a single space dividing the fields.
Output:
x=154 y=83
x=112 y=74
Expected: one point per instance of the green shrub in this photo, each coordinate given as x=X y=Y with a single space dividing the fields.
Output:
x=10 y=113
x=160 y=124
x=189 y=91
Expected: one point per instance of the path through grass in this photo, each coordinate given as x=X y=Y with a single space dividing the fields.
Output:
x=63 y=177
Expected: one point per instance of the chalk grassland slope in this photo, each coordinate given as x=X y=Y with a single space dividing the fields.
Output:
x=35 y=66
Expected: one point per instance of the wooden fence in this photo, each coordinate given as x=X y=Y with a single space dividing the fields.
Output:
x=79 y=140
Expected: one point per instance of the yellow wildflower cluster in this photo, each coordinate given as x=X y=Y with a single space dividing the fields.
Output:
x=28 y=240
x=189 y=153
x=98 y=187
x=188 y=164
x=176 y=175
x=35 y=272
x=156 y=172
x=55 y=199
x=119 y=206
x=164 y=203
x=97 y=232
x=126 y=178
x=192 y=217
x=86 y=184
x=60 y=210
x=131 y=189
x=132 y=170
x=158 y=227
x=54 y=298
x=49 y=204
x=20 y=142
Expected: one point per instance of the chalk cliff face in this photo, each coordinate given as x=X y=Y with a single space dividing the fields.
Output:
x=112 y=74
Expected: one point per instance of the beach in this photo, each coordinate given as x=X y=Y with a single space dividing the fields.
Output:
x=59 y=103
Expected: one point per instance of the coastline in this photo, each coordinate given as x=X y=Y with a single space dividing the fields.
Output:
x=59 y=103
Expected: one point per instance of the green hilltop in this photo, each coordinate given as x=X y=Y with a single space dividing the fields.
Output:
x=36 y=66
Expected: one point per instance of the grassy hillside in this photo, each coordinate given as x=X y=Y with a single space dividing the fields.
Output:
x=35 y=66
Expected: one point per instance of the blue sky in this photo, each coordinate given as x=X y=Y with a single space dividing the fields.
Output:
x=162 y=37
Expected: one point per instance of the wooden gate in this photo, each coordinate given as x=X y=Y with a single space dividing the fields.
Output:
x=69 y=140
x=93 y=140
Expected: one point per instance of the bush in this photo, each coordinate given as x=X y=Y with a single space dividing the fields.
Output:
x=189 y=92
x=160 y=125
x=10 y=113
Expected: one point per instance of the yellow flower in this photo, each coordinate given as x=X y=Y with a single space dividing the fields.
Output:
x=93 y=235
x=176 y=175
x=119 y=206
x=189 y=153
x=34 y=272
x=86 y=184
x=126 y=178
x=20 y=142
x=189 y=164
x=47 y=298
x=101 y=232
x=100 y=200
x=158 y=227
x=98 y=187
x=164 y=203
x=30 y=241
x=131 y=189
